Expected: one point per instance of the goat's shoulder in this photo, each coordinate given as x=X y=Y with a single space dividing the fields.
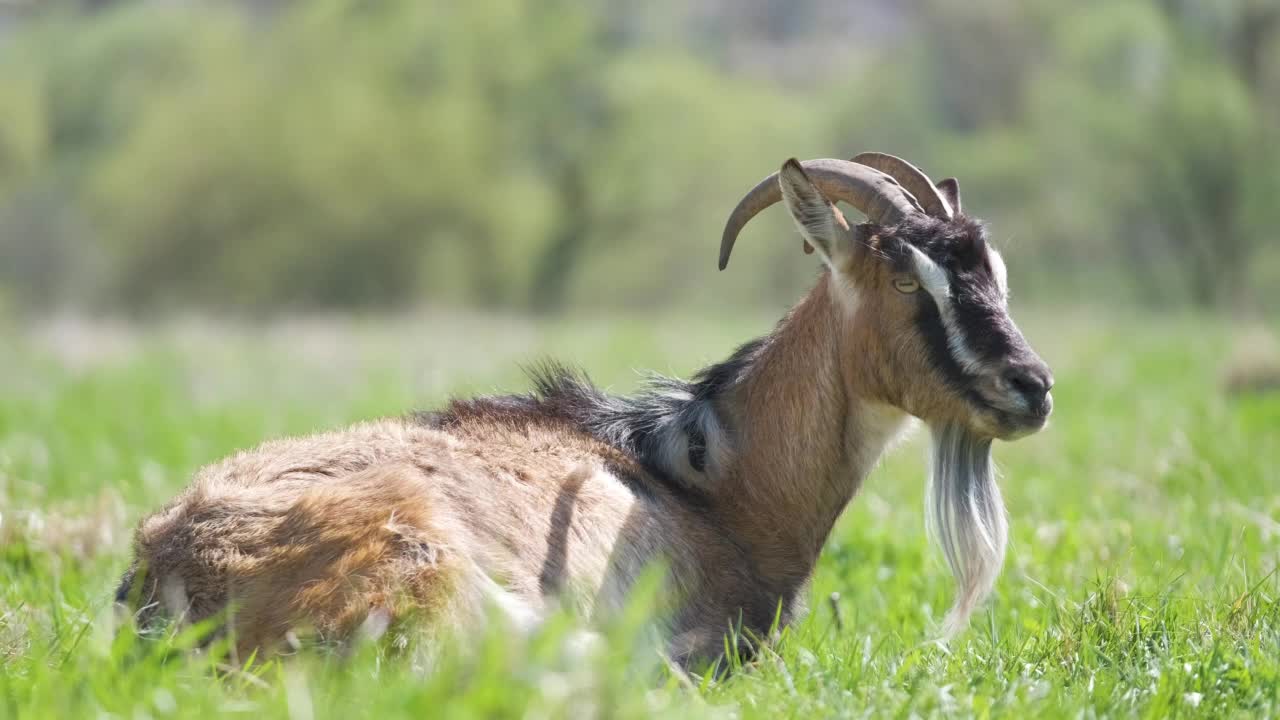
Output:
x=567 y=419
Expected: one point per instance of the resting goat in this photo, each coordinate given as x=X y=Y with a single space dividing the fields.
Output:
x=733 y=481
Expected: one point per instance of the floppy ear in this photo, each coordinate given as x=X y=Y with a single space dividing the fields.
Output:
x=820 y=223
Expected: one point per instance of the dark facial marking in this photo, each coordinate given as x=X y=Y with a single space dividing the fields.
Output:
x=960 y=247
x=125 y=588
x=929 y=322
x=980 y=314
x=697 y=441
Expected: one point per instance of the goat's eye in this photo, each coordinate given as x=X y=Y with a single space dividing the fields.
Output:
x=906 y=284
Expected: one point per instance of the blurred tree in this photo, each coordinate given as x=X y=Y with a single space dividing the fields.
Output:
x=978 y=60
x=1169 y=148
x=566 y=121
x=311 y=167
x=267 y=155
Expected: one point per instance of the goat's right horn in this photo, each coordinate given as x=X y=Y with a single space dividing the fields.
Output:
x=874 y=193
x=912 y=178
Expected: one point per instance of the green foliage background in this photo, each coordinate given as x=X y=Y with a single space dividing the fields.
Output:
x=548 y=155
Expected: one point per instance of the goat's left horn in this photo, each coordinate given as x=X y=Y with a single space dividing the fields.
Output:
x=874 y=193
x=913 y=179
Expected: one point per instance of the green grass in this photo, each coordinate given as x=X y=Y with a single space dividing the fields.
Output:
x=1141 y=578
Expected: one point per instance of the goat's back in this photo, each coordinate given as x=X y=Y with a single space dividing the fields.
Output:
x=399 y=519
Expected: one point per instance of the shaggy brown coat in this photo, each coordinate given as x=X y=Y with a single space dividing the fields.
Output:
x=522 y=503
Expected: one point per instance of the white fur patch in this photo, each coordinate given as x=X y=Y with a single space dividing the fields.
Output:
x=845 y=291
x=932 y=276
x=522 y=616
x=173 y=598
x=714 y=437
x=934 y=279
x=878 y=429
x=1000 y=271
x=673 y=452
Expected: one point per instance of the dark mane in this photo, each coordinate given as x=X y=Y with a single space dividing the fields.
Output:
x=960 y=241
x=664 y=427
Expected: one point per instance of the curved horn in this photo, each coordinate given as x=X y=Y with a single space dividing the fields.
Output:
x=872 y=192
x=912 y=178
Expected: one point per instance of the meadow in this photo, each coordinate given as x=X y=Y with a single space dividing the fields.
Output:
x=1141 y=578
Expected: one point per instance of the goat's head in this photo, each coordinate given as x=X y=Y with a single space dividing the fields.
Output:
x=923 y=298
x=925 y=293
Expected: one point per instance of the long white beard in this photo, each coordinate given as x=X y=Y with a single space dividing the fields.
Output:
x=966 y=517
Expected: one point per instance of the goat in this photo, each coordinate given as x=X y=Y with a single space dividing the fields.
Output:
x=732 y=480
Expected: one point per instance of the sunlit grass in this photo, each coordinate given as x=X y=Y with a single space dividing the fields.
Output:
x=1141 y=579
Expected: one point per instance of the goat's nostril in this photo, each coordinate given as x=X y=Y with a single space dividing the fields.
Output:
x=1029 y=382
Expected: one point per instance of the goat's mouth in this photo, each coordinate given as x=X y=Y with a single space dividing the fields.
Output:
x=1010 y=418
x=1025 y=423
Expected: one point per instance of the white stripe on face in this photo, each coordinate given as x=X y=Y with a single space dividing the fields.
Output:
x=934 y=279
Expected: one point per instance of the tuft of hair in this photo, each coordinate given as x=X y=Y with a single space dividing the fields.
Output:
x=671 y=426
x=966 y=516
x=962 y=237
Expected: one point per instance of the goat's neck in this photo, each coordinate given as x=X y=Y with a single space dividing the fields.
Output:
x=807 y=430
